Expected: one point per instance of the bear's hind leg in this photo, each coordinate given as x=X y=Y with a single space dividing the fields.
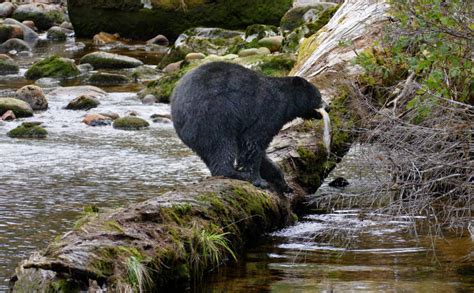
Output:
x=272 y=173
x=249 y=160
x=221 y=163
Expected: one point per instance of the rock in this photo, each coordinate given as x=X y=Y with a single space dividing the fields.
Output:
x=260 y=31
x=34 y=96
x=149 y=100
x=10 y=31
x=47 y=82
x=29 y=34
x=97 y=120
x=103 y=38
x=72 y=92
x=53 y=66
x=56 y=33
x=155 y=116
x=83 y=102
x=170 y=17
x=162 y=120
x=194 y=56
x=107 y=79
x=208 y=41
x=28 y=130
x=67 y=25
x=130 y=123
x=14 y=44
x=30 y=24
x=173 y=67
x=44 y=16
x=7 y=65
x=339 y=182
x=111 y=115
x=263 y=51
x=272 y=43
x=101 y=60
x=248 y=52
x=8 y=116
x=84 y=68
x=159 y=40
x=6 y=9
x=297 y=16
x=19 y=107
x=132 y=113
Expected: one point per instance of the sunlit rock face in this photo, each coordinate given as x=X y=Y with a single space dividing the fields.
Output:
x=144 y=19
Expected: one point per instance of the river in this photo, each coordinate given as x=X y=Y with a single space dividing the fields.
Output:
x=46 y=183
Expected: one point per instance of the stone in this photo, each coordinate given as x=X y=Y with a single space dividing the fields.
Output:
x=248 y=52
x=71 y=92
x=130 y=123
x=107 y=79
x=300 y=15
x=34 y=96
x=29 y=34
x=44 y=16
x=10 y=31
x=19 y=107
x=8 y=116
x=47 y=82
x=111 y=115
x=149 y=100
x=97 y=120
x=194 y=56
x=339 y=182
x=260 y=31
x=30 y=24
x=67 y=25
x=173 y=67
x=263 y=51
x=28 y=130
x=159 y=40
x=14 y=44
x=53 y=66
x=84 y=68
x=272 y=43
x=6 y=9
x=83 y=102
x=56 y=33
x=7 y=65
x=104 y=60
x=103 y=38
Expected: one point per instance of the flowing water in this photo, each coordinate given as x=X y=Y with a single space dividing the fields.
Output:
x=45 y=184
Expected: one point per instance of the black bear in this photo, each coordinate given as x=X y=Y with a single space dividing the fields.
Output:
x=229 y=114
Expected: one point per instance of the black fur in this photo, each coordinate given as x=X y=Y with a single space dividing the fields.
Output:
x=228 y=114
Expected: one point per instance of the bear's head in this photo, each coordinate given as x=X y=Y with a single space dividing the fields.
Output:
x=307 y=99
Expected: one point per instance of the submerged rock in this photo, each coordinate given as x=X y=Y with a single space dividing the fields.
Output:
x=7 y=65
x=8 y=116
x=103 y=38
x=97 y=120
x=53 y=66
x=28 y=130
x=44 y=16
x=19 y=107
x=130 y=123
x=107 y=79
x=83 y=102
x=57 y=33
x=34 y=96
x=72 y=92
x=104 y=60
x=14 y=44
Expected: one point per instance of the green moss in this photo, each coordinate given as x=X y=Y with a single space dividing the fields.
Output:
x=107 y=79
x=28 y=131
x=83 y=103
x=64 y=286
x=20 y=108
x=277 y=66
x=130 y=123
x=5 y=32
x=53 y=66
x=261 y=31
x=322 y=20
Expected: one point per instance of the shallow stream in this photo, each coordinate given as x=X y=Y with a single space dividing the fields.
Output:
x=44 y=184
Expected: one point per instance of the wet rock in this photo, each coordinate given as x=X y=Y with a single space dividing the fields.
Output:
x=107 y=79
x=8 y=116
x=7 y=65
x=84 y=68
x=97 y=120
x=339 y=182
x=9 y=31
x=6 y=9
x=111 y=115
x=194 y=56
x=159 y=40
x=14 y=44
x=34 y=96
x=44 y=16
x=83 y=102
x=260 y=31
x=130 y=123
x=56 y=33
x=47 y=82
x=149 y=100
x=67 y=25
x=132 y=113
x=161 y=118
x=173 y=67
x=28 y=130
x=101 y=60
x=155 y=116
x=19 y=107
x=53 y=66
x=103 y=38
x=272 y=43
x=72 y=92
x=30 y=24
x=28 y=33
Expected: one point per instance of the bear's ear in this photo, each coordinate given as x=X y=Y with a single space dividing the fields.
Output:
x=298 y=81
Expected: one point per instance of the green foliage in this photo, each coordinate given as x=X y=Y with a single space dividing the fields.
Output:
x=433 y=40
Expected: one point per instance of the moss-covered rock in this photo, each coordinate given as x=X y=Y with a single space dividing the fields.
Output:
x=56 y=33
x=107 y=79
x=19 y=107
x=84 y=102
x=28 y=130
x=260 y=31
x=8 y=66
x=170 y=18
x=130 y=123
x=53 y=66
x=14 y=44
x=300 y=15
x=44 y=16
x=104 y=60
